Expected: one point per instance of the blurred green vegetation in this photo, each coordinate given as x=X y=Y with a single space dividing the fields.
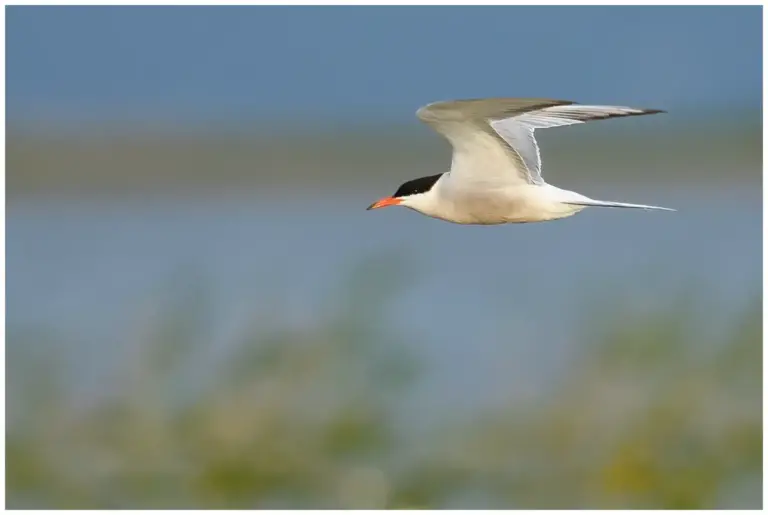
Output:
x=653 y=414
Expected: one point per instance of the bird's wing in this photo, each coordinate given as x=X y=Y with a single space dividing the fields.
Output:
x=480 y=154
x=518 y=131
x=492 y=136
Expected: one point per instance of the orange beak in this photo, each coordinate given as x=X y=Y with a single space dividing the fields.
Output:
x=386 y=201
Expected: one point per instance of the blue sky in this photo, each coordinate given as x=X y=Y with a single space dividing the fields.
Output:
x=203 y=63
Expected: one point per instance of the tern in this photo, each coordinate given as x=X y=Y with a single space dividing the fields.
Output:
x=495 y=175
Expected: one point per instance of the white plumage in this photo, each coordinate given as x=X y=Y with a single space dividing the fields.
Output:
x=495 y=174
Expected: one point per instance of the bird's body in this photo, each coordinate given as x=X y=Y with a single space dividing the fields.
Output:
x=486 y=204
x=495 y=174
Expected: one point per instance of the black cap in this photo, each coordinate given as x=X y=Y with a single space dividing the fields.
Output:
x=420 y=185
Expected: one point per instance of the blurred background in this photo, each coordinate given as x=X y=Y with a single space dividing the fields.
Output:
x=201 y=313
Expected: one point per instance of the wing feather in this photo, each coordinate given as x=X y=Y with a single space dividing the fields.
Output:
x=491 y=136
x=477 y=147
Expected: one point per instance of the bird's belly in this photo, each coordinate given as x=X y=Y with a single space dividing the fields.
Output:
x=521 y=205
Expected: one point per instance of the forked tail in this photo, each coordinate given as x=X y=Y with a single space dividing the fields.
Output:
x=602 y=203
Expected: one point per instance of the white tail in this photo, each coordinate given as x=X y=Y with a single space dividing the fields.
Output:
x=602 y=203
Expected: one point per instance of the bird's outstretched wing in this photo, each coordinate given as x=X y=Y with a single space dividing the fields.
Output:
x=491 y=137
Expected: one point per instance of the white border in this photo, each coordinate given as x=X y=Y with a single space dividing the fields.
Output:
x=2 y=316
x=561 y=3
x=394 y=3
x=765 y=248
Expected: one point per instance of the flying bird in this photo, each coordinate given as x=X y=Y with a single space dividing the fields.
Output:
x=495 y=175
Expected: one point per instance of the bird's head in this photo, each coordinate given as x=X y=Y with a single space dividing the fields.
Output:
x=414 y=194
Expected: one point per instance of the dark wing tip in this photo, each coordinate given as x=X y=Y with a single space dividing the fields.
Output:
x=634 y=112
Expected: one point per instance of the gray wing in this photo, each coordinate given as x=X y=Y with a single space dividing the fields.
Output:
x=519 y=130
x=490 y=136
x=480 y=154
